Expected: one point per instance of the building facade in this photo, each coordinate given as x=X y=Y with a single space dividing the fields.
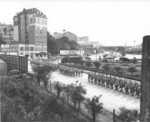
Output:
x=30 y=28
x=83 y=40
x=22 y=50
x=6 y=33
x=70 y=36
x=58 y=35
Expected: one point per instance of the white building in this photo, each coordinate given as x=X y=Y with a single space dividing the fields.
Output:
x=22 y=50
x=83 y=40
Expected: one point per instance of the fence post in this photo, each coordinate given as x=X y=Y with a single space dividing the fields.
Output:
x=114 y=116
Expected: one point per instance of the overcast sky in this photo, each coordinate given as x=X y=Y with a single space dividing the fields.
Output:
x=110 y=22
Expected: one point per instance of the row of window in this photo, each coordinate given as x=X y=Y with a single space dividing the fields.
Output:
x=38 y=21
x=26 y=48
x=32 y=48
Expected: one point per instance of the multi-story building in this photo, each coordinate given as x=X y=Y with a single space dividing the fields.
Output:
x=30 y=28
x=57 y=35
x=6 y=33
x=95 y=44
x=70 y=36
x=83 y=40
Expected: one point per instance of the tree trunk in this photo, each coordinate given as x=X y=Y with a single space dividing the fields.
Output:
x=74 y=105
x=58 y=94
x=93 y=117
x=79 y=105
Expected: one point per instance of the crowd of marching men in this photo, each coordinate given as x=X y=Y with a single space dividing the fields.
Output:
x=125 y=86
x=122 y=85
x=70 y=71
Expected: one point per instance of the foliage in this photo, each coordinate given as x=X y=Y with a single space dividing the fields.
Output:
x=88 y=64
x=43 y=73
x=132 y=69
x=58 y=87
x=23 y=100
x=106 y=67
x=73 y=45
x=52 y=45
x=76 y=93
x=55 y=45
x=118 y=69
x=127 y=115
x=94 y=106
x=97 y=65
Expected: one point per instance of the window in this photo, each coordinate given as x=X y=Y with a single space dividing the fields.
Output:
x=31 y=48
x=21 y=48
x=40 y=32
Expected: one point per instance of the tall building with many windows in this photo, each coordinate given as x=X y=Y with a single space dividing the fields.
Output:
x=30 y=28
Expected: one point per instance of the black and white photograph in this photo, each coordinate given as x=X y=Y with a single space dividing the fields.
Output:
x=74 y=60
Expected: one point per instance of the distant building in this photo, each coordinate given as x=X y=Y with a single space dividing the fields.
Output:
x=57 y=35
x=6 y=33
x=88 y=48
x=22 y=50
x=30 y=28
x=135 y=49
x=83 y=40
x=69 y=35
x=95 y=44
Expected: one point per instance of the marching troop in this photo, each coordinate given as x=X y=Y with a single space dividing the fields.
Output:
x=122 y=85
x=125 y=86
x=70 y=71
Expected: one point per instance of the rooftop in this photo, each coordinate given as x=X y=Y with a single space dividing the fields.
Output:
x=33 y=11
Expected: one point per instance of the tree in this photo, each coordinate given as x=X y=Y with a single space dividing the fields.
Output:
x=63 y=43
x=97 y=65
x=127 y=115
x=58 y=87
x=118 y=69
x=88 y=64
x=73 y=45
x=94 y=106
x=81 y=62
x=52 y=45
x=106 y=67
x=76 y=93
x=43 y=73
x=22 y=100
x=132 y=70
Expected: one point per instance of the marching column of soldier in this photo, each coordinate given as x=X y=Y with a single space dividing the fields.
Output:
x=122 y=85
x=70 y=71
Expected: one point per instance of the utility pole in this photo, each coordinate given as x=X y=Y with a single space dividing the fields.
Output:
x=145 y=82
x=133 y=47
